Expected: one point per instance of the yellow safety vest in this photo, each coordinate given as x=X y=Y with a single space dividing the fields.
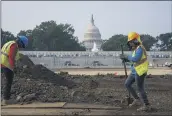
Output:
x=141 y=66
x=5 y=54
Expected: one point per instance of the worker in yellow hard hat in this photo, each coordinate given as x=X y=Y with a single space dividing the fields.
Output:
x=139 y=69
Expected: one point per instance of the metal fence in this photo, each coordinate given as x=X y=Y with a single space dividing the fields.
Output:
x=55 y=60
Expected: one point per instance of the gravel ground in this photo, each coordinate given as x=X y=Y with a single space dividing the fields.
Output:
x=37 y=83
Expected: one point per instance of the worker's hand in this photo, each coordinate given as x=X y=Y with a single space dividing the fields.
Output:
x=126 y=60
x=123 y=56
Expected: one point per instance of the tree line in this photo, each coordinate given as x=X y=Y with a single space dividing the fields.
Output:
x=163 y=42
x=50 y=36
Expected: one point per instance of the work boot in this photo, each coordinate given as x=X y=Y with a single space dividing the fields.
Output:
x=136 y=102
x=144 y=108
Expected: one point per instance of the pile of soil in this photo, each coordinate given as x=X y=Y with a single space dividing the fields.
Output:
x=36 y=82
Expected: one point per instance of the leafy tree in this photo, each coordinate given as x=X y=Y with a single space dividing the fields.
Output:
x=114 y=43
x=148 y=41
x=49 y=36
x=164 y=42
x=6 y=36
x=170 y=44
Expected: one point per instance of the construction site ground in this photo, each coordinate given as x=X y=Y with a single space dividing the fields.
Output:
x=110 y=89
x=39 y=91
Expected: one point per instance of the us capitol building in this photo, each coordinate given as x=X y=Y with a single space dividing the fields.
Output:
x=92 y=37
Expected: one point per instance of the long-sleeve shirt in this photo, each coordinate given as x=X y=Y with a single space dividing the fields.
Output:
x=12 y=55
x=136 y=58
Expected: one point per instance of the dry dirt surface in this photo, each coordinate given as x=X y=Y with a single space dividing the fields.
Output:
x=35 y=83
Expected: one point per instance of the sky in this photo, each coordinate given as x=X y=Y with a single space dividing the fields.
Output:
x=111 y=17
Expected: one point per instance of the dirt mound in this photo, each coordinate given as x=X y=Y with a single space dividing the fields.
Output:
x=36 y=82
x=24 y=62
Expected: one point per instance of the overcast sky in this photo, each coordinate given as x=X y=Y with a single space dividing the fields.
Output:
x=111 y=17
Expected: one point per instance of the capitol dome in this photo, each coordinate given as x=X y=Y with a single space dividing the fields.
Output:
x=91 y=36
x=92 y=29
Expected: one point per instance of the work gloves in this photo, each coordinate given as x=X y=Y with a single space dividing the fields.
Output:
x=124 y=57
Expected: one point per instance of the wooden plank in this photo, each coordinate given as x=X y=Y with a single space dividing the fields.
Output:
x=61 y=105
x=35 y=105
x=37 y=112
x=89 y=106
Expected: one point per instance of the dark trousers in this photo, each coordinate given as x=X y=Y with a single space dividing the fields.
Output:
x=9 y=79
x=140 y=85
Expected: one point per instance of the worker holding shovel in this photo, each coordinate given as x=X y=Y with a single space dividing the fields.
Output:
x=139 y=69
x=9 y=54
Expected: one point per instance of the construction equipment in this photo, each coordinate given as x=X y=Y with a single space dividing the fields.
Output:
x=128 y=97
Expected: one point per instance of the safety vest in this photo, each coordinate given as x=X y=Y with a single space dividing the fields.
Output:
x=141 y=66
x=5 y=54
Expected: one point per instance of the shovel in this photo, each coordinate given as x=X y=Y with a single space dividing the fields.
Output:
x=128 y=97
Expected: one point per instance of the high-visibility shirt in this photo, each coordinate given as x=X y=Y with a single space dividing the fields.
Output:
x=136 y=58
x=141 y=66
x=6 y=57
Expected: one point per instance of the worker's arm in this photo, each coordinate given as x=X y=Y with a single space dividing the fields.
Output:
x=137 y=56
x=12 y=55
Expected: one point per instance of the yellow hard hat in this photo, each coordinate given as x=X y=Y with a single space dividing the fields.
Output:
x=134 y=35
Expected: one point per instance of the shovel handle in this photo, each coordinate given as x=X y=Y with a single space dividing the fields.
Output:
x=129 y=97
x=124 y=61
